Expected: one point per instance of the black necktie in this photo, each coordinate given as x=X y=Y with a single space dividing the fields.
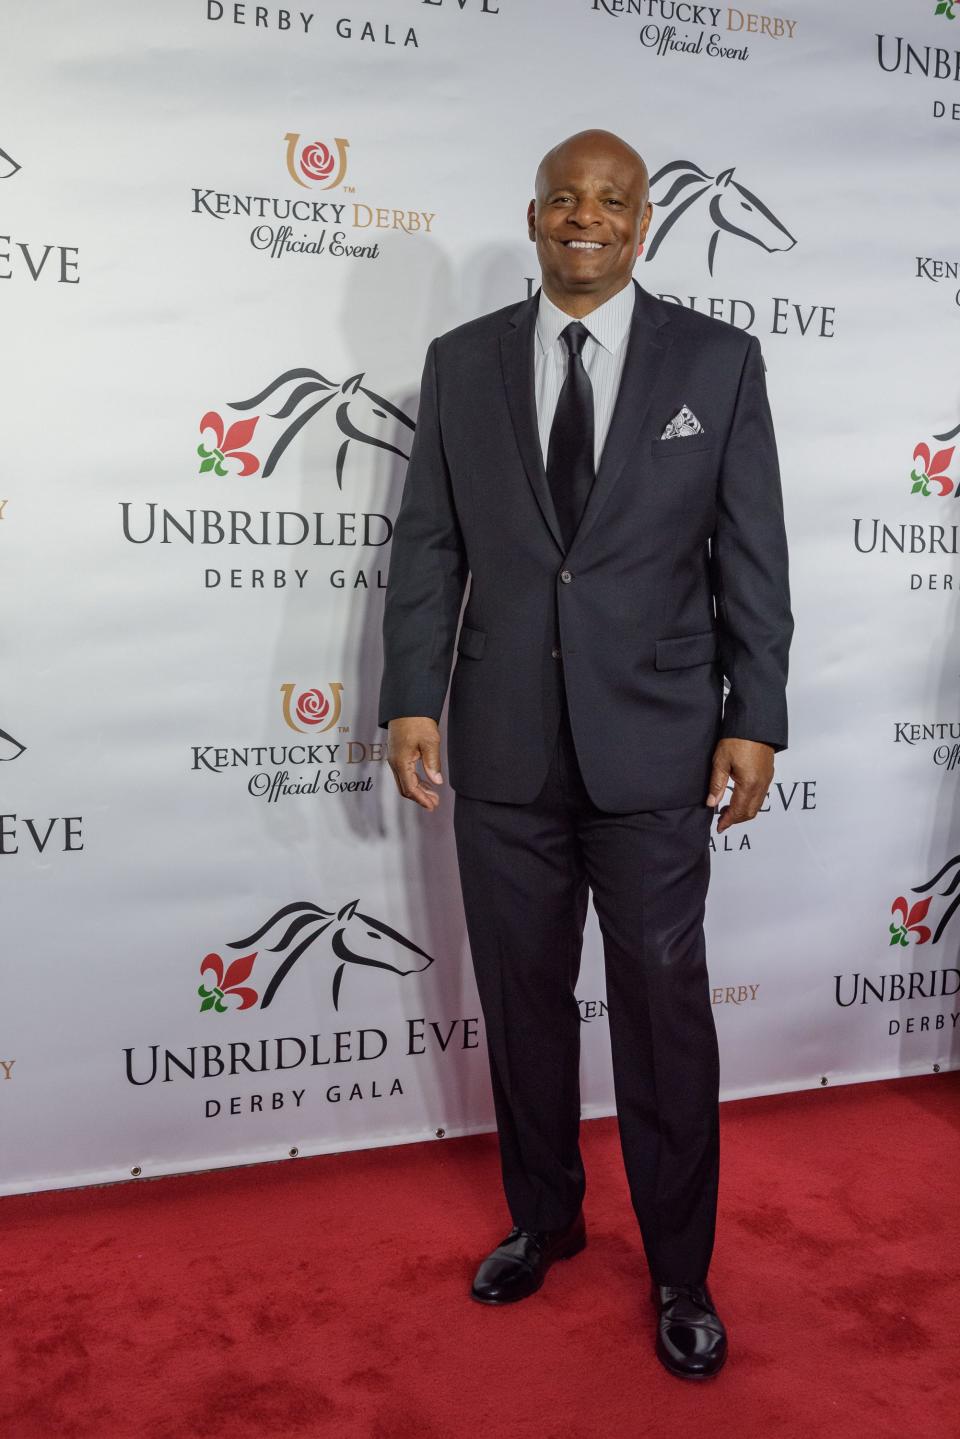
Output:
x=570 y=471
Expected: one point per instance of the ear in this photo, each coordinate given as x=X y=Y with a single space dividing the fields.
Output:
x=348 y=910
x=532 y=220
x=350 y=387
x=725 y=177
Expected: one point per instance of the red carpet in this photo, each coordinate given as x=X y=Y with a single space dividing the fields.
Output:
x=328 y=1296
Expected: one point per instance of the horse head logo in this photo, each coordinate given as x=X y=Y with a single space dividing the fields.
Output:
x=361 y=414
x=731 y=207
x=10 y=748
x=353 y=937
x=909 y=917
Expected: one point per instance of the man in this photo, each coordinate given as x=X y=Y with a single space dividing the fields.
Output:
x=602 y=466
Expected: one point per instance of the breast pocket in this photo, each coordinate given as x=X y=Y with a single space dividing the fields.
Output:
x=681 y=446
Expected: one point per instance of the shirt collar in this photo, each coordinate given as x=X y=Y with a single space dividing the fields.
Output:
x=608 y=323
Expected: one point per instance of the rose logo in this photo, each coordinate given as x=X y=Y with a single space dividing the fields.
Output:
x=316 y=161
x=311 y=708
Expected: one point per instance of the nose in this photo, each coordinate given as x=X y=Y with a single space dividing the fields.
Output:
x=585 y=214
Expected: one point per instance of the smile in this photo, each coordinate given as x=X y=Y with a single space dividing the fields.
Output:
x=583 y=244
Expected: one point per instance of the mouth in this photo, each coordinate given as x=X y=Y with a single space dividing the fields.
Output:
x=583 y=245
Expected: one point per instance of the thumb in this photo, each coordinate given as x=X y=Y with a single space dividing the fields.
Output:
x=430 y=755
x=718 y=783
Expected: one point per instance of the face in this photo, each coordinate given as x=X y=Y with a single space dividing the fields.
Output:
x=588 y=220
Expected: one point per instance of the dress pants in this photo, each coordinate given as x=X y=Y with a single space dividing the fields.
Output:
x=525 y=870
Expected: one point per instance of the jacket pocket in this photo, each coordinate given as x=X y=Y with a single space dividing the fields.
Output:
x=471 y=642
x=681 y=445
x=686 y=650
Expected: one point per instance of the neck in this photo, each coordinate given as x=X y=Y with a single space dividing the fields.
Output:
x=576 y=304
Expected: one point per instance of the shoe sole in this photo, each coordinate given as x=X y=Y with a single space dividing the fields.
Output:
x=574 y=1249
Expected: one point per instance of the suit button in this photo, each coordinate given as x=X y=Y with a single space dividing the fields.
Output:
x=566 y=576
x=555 y=653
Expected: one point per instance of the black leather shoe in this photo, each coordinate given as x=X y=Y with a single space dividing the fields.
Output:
x=518 y=1266
x=691 y=1339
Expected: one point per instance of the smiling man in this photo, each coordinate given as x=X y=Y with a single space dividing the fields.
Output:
x=601 y=467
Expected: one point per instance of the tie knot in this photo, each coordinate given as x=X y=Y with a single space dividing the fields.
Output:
x=575 y=336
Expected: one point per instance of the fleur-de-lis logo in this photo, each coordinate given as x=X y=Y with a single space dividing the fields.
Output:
x=221 y=981
x=929 y=474
x=311 y=708
x=227 y=446
x=907 y=919
x=931 y=469
x=320 y=165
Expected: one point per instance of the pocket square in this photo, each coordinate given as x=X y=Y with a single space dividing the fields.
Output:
x=683 y=423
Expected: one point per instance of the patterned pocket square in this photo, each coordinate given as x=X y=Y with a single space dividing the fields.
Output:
x=683 y=423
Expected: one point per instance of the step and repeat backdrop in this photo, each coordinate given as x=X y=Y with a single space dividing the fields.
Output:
x=229 y=232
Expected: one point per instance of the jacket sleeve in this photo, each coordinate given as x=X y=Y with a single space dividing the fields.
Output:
x=427 y=574
x=750 y=567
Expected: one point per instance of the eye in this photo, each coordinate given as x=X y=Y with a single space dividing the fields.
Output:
x=745 y=206
x=381 y=413
x=372 y=934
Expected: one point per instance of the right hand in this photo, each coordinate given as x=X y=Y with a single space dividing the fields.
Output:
x=411 y=739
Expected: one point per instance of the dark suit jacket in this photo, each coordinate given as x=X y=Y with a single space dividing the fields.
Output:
x=676 y=577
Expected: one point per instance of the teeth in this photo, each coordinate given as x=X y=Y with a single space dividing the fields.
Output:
x=583 y=245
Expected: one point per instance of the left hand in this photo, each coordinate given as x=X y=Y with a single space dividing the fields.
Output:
x=750 y=765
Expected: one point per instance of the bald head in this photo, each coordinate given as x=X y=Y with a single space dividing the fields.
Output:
x=588 y=218
x=601 y=145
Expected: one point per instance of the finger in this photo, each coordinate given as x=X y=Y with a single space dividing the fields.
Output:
x=430 y=751
x=719 y=776
x=413 y=788
x=744 y=805
x=410 y=784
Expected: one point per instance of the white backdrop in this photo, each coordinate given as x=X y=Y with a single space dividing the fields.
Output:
x=188 y=710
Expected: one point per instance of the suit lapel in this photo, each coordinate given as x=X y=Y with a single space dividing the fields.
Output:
x=643 y=371
x=516 y=359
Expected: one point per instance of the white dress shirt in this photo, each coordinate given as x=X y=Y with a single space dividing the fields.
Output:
x=603 y=356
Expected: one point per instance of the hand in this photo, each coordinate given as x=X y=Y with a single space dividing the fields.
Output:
x=413 y=738
x=750 y=765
